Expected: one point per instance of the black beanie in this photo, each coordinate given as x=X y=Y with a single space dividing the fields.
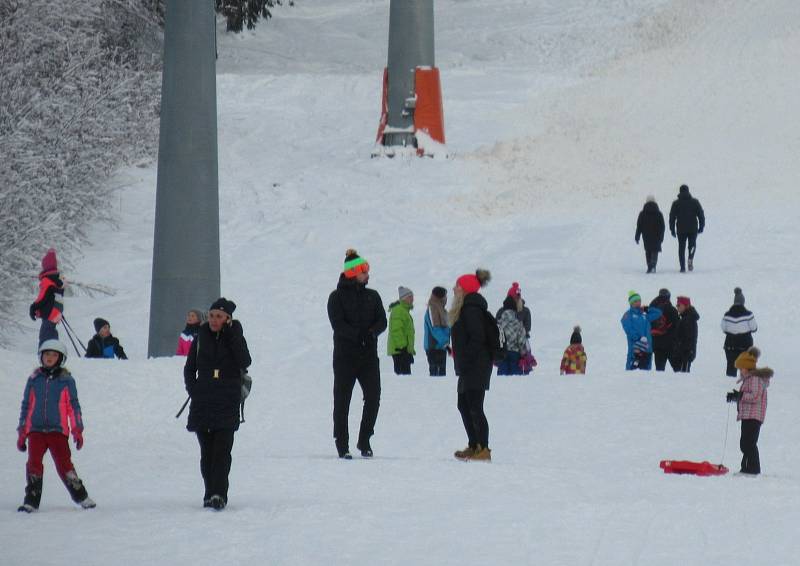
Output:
x=684 y=190
x=664 y=293
x=99 y=323
x=576 y=336
x=439 y=292
x=223 y=304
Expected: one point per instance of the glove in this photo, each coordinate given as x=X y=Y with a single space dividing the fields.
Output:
x=21 y=446
x=637 y=241
x=733 y=396
x=700 y=231
x=673 y=233
x=32 y=312
x=77 y=436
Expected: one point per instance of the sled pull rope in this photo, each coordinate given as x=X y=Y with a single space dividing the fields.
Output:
x=727 y=426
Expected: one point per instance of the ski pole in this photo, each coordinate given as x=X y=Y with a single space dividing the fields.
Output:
x=183 y=407
x=69 y=326
x=71 y=340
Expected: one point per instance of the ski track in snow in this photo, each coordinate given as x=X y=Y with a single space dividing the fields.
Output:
x=561 y=116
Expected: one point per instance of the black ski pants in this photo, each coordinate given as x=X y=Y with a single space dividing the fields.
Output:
x=470 y=405
x=215 y=461
x=683 y=239
x=346 y=372
x=437 y=362
x=730 y=355
x=652 y=259
x=751 y=464
x=402 y=363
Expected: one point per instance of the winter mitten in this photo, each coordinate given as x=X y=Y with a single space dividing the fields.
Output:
x=21 y=446
x=32 y=312
x=77 y=436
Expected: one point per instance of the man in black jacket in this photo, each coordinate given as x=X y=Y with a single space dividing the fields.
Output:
x=686 y=218
x=213 y=379
x=357 y=317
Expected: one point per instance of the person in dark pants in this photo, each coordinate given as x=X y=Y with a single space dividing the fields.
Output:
x=437 y=332
x=687 y=334
x=650 y=227
x=751 y=400
x=473 y=362
x=665 y=331
x=357 y=317
x=738 y=324
x=687 y=220
x=213 y=378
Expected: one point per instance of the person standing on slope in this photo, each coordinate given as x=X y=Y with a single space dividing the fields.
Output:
x=473 y=361
x=636 y=324
x=213 y=378
x=437 y=332
x=687 y=334
x=194 y=318
x=751 y=402
x=400 y=345
x=664 y=331
x=49 y=303
x=574 y=359
x=686 y=221
x=357 y=317
x=738 y=324
x=650 y=227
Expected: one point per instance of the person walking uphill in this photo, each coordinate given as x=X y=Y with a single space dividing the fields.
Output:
x=437 y=332
x=738 y=324
x=50 y=408
x=751 y=400
x=686 y=221
x=636 y=324
x=469 y=323
x=401 y=332
x=357 y=317
x=49 y=303
x=650 y=227
x=213 y=378
x=687 y=334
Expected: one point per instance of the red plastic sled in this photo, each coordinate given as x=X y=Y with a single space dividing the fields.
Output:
x=693 y=468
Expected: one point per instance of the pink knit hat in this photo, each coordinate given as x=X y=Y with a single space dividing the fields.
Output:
x=49 y=263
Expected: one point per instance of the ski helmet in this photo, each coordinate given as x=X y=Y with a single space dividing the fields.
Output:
x=54 y=345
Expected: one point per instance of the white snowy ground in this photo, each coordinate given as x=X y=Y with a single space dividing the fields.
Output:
x=561 y=116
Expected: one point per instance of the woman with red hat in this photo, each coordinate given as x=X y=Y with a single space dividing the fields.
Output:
x=473 y=361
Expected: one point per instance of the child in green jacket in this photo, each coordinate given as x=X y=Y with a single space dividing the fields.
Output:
x=401 y=332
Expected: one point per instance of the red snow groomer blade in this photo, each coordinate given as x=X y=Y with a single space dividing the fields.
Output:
x=693 y=468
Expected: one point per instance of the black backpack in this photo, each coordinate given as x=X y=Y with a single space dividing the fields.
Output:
x=495 y=339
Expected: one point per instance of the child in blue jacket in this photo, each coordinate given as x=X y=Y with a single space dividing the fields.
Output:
x=437 y=332
x=636 y=323
x=50 y=408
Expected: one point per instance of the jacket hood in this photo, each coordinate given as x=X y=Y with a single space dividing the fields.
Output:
x=691 y=314
x=651 y=208
x=476 y=300
x=401 y=304
x=345 y=283
x=764 y=374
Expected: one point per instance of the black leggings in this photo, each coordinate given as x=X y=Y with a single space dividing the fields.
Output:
x=470 y=405
x=751 y=464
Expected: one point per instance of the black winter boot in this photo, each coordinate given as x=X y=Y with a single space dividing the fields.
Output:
x=77 y=490
x=33 y=494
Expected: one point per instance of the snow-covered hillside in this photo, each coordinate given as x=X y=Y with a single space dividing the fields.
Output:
x=561 y=117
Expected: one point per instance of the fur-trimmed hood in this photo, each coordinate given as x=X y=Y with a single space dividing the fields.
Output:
x=765 y=374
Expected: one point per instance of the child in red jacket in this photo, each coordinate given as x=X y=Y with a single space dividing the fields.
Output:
x=574 y=359
x=751 y=399
x=49 y=409
x=49 y=303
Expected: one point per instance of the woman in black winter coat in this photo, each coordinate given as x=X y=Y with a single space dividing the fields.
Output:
x=213 y=377
x=473 y=361
x=687 y=334
x=650 y=227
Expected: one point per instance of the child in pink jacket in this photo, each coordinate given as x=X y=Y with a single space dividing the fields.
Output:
x=751 y=400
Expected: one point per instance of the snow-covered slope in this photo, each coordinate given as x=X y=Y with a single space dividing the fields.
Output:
x=560 y=117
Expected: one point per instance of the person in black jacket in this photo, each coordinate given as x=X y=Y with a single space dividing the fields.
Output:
x=357 y=317
x=687 y=220
x=650 y=227
x=473 y=361
x=687 y=334
x=665 y=332
x=213 y=378
x=738 y=324
x=103 y=344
